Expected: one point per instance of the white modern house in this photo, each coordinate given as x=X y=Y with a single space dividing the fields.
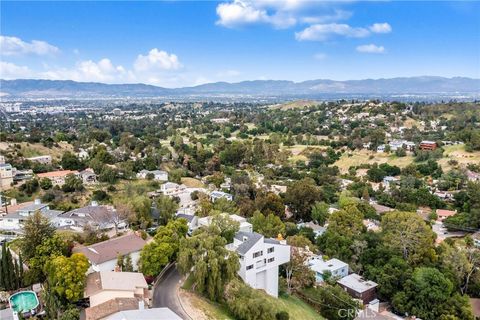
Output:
x=337 y=268
x=215 y=195
x=103 y=255
x=171 y=188
x=259 y=260
x=158 y=175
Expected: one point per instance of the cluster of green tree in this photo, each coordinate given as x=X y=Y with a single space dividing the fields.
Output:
x=403 y=259
x=468 y=203
x=331 y=301
x=425 y=155
x=124 y=263
x=408 y=198
x=246 y=303
x=205 y=257
x=11 y=270
x=47 y=256
x=377 y=172
x=164 y=247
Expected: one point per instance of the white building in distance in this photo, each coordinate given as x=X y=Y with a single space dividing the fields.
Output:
x=215 y=195
x=6 y=176
x=158 y=175
x=41 y=159
x=337 y=268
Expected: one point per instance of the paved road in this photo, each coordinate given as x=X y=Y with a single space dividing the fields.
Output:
x=443 y=233
x=166 y=293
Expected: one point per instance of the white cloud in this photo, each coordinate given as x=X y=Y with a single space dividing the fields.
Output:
x=370 y=48
x=322 y=32
x=157 y=59
x=102 y=71
x=239 y=12
x=320 y=56
x=156 y=67
x=380 y=28
x=278 y=13
x=12 y=71
x=10 y=46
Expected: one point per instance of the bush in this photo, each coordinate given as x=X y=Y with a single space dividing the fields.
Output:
x=282 y=315
x=99 y=195
x=246 y=303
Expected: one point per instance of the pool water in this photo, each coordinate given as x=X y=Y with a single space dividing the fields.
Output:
x=24 y=301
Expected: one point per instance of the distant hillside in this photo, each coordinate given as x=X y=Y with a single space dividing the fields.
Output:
x=298 y=104
x=27 y=88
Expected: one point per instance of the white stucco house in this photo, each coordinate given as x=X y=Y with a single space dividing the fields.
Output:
x=215 y=195
x=259 y=260
x=13 y=221
x=171 y=188
x=6 y=176
x=158 y=175
x=337 y=268
x=103 y=255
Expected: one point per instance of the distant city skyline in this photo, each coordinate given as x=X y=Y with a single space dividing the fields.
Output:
x=179 y=43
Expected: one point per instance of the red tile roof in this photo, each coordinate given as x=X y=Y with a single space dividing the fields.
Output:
x=445 y=213
x=54 y=174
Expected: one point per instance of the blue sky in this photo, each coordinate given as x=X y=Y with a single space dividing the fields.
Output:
x=180 y=43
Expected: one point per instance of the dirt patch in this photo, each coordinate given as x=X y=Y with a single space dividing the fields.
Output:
x=188 y=301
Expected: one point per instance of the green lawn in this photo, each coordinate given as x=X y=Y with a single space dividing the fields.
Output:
x=296 y=308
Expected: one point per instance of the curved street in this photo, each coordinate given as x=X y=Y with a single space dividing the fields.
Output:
x=165 y=293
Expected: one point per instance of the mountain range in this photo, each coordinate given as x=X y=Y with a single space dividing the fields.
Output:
x=321 y=88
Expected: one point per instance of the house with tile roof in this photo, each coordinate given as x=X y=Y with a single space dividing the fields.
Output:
x=57 y=177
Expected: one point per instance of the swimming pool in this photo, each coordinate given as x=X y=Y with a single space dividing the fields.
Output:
x=24 y=301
